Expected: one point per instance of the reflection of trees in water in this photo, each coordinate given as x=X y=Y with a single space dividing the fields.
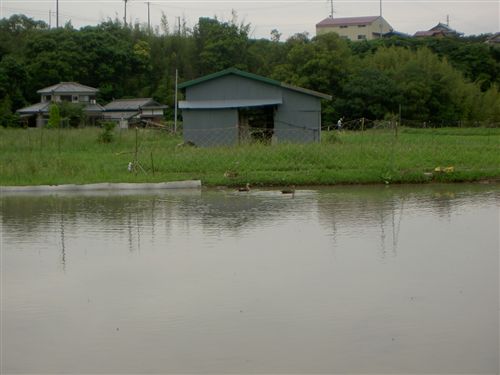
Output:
x=354 y=210
x=340 y=209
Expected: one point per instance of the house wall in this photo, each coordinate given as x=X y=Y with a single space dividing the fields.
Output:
x=352 y=32
x=298 y=119
x=216 y=127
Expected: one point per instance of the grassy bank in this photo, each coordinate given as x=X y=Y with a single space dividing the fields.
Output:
x=51 y=156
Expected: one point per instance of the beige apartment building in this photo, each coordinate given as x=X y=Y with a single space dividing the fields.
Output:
x=355 y=28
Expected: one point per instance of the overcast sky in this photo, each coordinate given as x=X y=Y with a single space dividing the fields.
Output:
x=289 y=17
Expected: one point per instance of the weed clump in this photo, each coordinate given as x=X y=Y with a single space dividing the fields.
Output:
x=106 y=136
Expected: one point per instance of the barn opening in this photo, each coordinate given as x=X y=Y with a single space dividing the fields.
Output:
x=256 y=124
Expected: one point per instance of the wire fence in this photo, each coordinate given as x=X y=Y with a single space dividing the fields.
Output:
x=366 y=123
x=361 y=151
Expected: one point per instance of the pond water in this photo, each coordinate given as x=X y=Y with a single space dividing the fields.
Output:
x=398 y=279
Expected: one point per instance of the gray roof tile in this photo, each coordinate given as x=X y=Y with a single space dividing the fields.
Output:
x=69 y=88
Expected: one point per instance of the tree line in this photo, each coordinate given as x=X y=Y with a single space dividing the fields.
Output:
x=435 y=80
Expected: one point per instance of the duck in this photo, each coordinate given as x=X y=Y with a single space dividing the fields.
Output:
x=245 y=188
x=288 y=190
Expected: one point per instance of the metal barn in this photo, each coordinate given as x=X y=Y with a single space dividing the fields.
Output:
x=232 y=107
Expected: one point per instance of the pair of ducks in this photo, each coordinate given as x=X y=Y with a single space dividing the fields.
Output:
x=287 y=190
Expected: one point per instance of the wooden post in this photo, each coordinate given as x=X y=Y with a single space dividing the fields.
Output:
x=362 y=124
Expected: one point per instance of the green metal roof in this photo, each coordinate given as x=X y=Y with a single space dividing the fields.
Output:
x=255 y=77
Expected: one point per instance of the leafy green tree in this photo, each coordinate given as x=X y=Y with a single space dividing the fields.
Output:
x=220 y=45
x=54 y=117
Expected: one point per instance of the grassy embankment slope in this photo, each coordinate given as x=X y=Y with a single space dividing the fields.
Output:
x=35 y=157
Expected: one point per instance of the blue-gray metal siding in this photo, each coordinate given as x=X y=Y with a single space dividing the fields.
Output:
x=211 y=127
x=298 y=119
x=233 y=87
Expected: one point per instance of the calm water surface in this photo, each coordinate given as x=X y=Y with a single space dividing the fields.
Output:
x=339 y=280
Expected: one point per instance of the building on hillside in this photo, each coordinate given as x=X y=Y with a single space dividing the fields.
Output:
x=493 y=40
x=129 y=111
x=232 y=107
x=440 y=30
x=72 y=92
x=355 y=28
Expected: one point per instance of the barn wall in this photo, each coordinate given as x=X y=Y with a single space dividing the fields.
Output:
x=298 y=119
x=232 y=87
x=217 y=127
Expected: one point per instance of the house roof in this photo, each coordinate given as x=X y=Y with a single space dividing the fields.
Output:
x=35 y=108
x=347 y=21
x=439 y=29
x=44 y=108
x=495 y=38
x=118 y=115
x=133 y=104
x=429 y=33
x=68 y=88
x=254 y=77
x=442 y=26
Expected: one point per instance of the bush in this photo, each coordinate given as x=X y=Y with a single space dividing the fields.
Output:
x=106 y=136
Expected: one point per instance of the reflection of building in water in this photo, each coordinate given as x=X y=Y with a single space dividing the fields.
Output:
x=135 y=219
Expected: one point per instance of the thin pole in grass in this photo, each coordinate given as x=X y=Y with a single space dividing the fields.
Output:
x=152 y=164
x=136 y=150
x=175 y=100
x=41 y=138
x=59 y=139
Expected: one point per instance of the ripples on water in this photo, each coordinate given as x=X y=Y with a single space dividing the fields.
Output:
x=347 y=279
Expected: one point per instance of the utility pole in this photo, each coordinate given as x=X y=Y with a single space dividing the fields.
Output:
x=447 y=20
x=175 y=99
x=125 y=13
x=149 y=19
x=50 y=19
x=57 y=14
x=380 y=19
x=179 y=25
x=331 y=8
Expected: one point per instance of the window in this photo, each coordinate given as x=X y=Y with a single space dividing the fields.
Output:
x=47 y=98
x=361 y=37
x=361 y=25
x=343 y=26
x=75 y=99
x=65 y=98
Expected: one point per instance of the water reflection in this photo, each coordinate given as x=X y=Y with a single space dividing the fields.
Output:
x=399 y=279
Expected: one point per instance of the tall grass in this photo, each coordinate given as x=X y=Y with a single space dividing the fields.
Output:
x=51 y=156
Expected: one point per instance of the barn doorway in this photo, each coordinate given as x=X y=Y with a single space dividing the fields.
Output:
x=256 y=124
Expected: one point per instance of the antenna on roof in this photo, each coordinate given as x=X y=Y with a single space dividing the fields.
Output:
x=57 y=14
x=447 y=20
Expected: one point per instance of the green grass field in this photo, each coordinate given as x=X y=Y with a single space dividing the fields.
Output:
x=52 y=156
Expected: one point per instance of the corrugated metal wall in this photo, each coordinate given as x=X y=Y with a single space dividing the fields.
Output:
x=232 y=87
x=298 y=119
x=211 y=127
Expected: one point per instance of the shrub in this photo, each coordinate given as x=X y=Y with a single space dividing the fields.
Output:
x=106 y=136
